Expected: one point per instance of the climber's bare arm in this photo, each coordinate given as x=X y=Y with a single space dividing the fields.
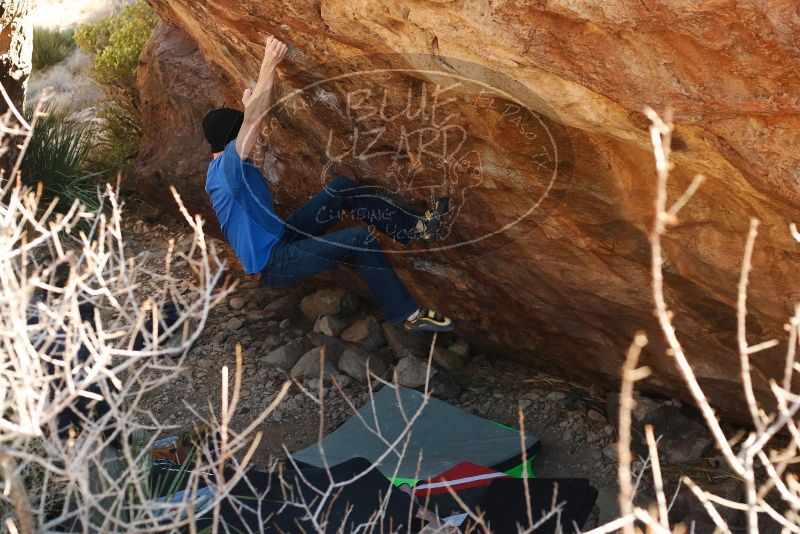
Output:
x=258 y=99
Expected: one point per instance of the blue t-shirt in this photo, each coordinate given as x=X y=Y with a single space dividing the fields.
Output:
x=244 y=208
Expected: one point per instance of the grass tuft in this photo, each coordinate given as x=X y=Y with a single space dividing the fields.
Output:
x=56 y=157
x=50 y=47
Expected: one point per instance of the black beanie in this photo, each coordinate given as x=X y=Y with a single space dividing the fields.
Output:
x=221 y=126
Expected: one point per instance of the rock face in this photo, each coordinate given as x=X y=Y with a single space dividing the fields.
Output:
x=16 y=47
x=529 y=116
x=177 y=88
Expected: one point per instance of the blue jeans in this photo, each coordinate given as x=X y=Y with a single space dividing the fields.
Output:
x=304 y=251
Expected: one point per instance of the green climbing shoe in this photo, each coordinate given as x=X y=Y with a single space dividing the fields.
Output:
x=429 y=321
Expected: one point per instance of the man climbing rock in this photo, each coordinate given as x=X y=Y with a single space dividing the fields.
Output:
x=287 y=251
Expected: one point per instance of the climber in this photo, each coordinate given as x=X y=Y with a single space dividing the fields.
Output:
x=286 y=251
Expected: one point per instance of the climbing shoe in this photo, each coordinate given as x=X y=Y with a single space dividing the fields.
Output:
x=432 y=219
x=429 y=321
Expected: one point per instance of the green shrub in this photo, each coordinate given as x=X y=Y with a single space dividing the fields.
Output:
x=50 y=47
x=116 y=42
x=56 y=157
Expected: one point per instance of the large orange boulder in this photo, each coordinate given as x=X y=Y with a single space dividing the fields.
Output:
x=529 y=115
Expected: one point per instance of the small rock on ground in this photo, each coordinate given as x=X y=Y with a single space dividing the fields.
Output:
x=327 y=302
x=400 y=340
x=412 y=372
x=448 y=360
x=330 y=325
x=308 y=366
x=366 y=331
x=286 y=356
x=353 y=362
x=234 y=323
x=460 y=347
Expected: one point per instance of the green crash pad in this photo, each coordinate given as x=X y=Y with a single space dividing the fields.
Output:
x=439 y=438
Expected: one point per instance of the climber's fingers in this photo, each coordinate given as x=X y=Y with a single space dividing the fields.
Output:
x=278 y=51
x=271 y=47
x=282 y=48
x=274 y=51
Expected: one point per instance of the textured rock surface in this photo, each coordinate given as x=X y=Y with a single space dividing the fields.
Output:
x=400 y=340
x=16 y=46
x=177 y=89
x=412 y=372
x=327 y=302
x=448 y=360
x=330 y=325
x=354 y=362
x=308 y=366
x=567 y=287
x=286 y=357
x=366 y=331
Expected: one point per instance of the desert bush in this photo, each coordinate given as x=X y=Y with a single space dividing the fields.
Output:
x=56 y=157
x=50 y=47
x=55 y=356
x=116 y=42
